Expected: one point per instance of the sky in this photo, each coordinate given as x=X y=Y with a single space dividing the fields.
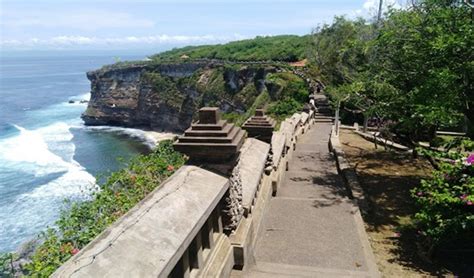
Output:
x=162 y=24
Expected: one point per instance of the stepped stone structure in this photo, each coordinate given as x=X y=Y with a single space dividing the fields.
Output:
x=211 y=140
x=260 y=126
x=215 y=144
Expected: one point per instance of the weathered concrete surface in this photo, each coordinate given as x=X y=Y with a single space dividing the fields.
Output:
x=296 y=118
x=312 y=226
x=304 y=117
x=278 y=147
x=253 y=156
x=288 y=129
x=348 y=173
x=150 y=239
x=270 y=270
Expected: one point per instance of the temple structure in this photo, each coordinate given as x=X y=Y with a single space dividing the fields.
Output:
x=211 y=139
x=260 y=126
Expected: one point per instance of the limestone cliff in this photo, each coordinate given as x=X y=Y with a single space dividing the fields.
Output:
x=167 y=96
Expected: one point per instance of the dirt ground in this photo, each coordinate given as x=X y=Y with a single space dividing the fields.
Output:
x=387 y=178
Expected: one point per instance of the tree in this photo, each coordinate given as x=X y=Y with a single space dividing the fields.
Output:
x=414 y=68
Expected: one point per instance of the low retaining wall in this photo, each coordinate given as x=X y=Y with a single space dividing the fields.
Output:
x=176 y=231
x=383 y=142
x=356 y=192
x=347 y=172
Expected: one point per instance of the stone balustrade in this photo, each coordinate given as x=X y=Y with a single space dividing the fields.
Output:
x=172 y=232
x=178 y=230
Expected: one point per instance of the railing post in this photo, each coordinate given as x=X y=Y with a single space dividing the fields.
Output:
x=195 y=252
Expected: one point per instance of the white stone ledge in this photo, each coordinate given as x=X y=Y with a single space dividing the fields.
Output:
x=253 y=156
x=296 y=119
x=150 y=239
x=304 y=118
x=278 y=147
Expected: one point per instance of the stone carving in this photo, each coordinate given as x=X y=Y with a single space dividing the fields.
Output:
x=233 y=209
x=214 y=144
x=260 y=126
x=211 y=140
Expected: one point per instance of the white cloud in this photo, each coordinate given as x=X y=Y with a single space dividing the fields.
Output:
x=72 y=41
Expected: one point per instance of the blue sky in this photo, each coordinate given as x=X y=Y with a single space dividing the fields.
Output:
x=161 y=24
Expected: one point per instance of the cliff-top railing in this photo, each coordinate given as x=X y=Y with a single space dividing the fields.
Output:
x=182 y=228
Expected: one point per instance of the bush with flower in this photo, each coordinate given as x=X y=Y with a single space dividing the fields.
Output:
x=446 y=202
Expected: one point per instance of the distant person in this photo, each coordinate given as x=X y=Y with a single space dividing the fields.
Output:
x=313 y=105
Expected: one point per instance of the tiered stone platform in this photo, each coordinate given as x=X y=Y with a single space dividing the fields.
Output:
x=260 y=126
x=211 y=139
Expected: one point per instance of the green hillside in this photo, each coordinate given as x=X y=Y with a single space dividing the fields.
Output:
x=288 y=48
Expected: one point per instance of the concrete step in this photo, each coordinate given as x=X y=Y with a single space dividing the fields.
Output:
x=212 y=133
x=263 y=269
x=324 y=116
x=324 y=120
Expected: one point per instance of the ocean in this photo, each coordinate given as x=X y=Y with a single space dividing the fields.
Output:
x=47 y=155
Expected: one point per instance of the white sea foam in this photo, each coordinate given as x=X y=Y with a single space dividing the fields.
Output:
x=150 y=138
x=30 y=147
x=45 y=152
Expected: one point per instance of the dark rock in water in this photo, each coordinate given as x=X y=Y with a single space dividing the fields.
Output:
x=168 y=96
x=84 y=101
x=71 y=101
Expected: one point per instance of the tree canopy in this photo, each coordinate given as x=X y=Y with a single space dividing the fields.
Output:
x=288 y=48
x=415 y=67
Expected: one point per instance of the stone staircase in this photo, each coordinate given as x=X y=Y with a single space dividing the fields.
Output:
x=325 y=113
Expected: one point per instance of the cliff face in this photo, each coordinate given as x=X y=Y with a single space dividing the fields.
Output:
x=167 y=96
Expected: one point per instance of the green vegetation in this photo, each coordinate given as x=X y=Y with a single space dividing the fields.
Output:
x=83 y=221
x=413 y=73
x=284 y=108
x=285 y=95
x=290 y=86
x=165 y=87
x=446 y=201
x=289 y=93
x=277 y=48
x=413 y=69
x=239 y=118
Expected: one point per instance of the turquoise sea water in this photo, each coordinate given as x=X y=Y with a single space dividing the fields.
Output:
x=47 y=155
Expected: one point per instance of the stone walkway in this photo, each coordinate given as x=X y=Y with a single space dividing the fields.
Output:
x=311 y=228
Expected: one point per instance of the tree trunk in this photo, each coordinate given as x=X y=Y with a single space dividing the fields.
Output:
x=337 y=118
x=366 y=123
x=379 y=15
x=470 y=127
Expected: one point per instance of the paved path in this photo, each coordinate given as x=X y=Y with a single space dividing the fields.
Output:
x=311 y=228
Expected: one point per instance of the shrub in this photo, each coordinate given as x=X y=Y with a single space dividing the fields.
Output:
x=284 y=108
x=6 y=265
x=446 y=202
